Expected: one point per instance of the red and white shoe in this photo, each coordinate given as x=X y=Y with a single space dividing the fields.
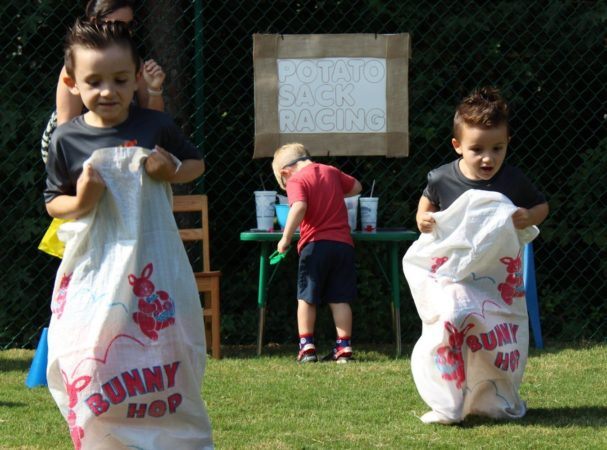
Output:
x=340 y=355
x=307 y=354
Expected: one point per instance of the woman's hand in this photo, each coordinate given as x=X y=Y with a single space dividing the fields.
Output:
x=153 y=75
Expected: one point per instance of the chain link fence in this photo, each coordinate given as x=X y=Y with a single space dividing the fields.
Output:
x=547 y=57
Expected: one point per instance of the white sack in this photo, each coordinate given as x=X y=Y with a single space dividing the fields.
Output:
x=126 y=341
x=466 y=281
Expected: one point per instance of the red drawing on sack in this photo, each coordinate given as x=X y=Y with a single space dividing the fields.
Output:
x=131 y=143
x=76 y=432
x=61 y=295
x=156 y=308
x=449 y=359
x=437 y=263
x=107 y=351
x=513 y=285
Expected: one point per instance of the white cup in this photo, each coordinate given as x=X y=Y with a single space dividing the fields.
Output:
x=368 y=213
x=352 y=206
x=264 y=206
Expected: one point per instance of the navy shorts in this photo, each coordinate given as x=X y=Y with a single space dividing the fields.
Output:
x=327 y=273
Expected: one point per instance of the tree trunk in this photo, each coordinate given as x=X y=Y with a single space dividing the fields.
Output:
x=167 y=44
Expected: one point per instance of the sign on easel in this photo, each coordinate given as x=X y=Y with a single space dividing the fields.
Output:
x=336 y=94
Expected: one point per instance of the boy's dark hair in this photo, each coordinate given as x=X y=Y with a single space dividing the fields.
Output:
x=98 y=36
x=483 y=108
x=98 y=9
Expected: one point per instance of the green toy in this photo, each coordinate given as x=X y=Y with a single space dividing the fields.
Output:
x=276 y=257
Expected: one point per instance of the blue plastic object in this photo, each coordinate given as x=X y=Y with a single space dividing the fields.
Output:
x=282 y=211
x=533 y=307
x=37 y=373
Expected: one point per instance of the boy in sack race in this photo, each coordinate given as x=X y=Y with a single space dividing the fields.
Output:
x=126 y=341
x=465 y=271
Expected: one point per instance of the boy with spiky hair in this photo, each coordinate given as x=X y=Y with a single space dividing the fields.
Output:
x=480 y=136
x=451 y=376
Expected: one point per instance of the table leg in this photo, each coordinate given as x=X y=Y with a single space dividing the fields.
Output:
x=261 y=321
x=395 y=295
x=262 y=292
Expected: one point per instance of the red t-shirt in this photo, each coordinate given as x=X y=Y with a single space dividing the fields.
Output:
x=323 y=188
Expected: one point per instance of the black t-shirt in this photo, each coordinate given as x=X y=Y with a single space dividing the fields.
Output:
x=447 y=183
x=74 y=142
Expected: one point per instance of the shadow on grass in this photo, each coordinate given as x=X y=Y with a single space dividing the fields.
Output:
x=581 y=416
x=14 y=364
x=12 y=405
x=591 y=416
x=555 y=347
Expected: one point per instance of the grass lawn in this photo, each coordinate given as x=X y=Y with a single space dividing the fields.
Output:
x=272 y=403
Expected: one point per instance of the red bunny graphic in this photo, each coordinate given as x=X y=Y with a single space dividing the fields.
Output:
x=437 y=263
x=156 y=308
x=449 y=359
x=61 y=295
x=76 y=432
x=513 y=285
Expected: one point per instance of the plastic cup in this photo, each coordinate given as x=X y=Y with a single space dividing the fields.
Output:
x=368 y=214
x=264 y=205
x=352 y=206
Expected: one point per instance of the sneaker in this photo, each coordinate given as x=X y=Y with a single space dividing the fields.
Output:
x=307 y=354
x=343 y=355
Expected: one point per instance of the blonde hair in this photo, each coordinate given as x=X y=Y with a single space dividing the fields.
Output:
x=286 y=155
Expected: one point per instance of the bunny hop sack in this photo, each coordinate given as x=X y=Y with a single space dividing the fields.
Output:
x=466 y=280
x=126 y=340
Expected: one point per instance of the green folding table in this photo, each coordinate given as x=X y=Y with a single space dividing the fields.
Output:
x=389 y=237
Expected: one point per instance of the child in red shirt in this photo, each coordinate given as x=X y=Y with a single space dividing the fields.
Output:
x=327 y=272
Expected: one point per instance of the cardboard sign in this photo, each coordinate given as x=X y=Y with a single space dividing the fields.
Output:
x=332 y=95
x=342 y=94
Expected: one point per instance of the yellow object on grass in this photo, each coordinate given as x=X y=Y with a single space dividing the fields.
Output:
x=50 y=242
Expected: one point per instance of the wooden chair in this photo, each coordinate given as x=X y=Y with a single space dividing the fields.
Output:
x=206 y=280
